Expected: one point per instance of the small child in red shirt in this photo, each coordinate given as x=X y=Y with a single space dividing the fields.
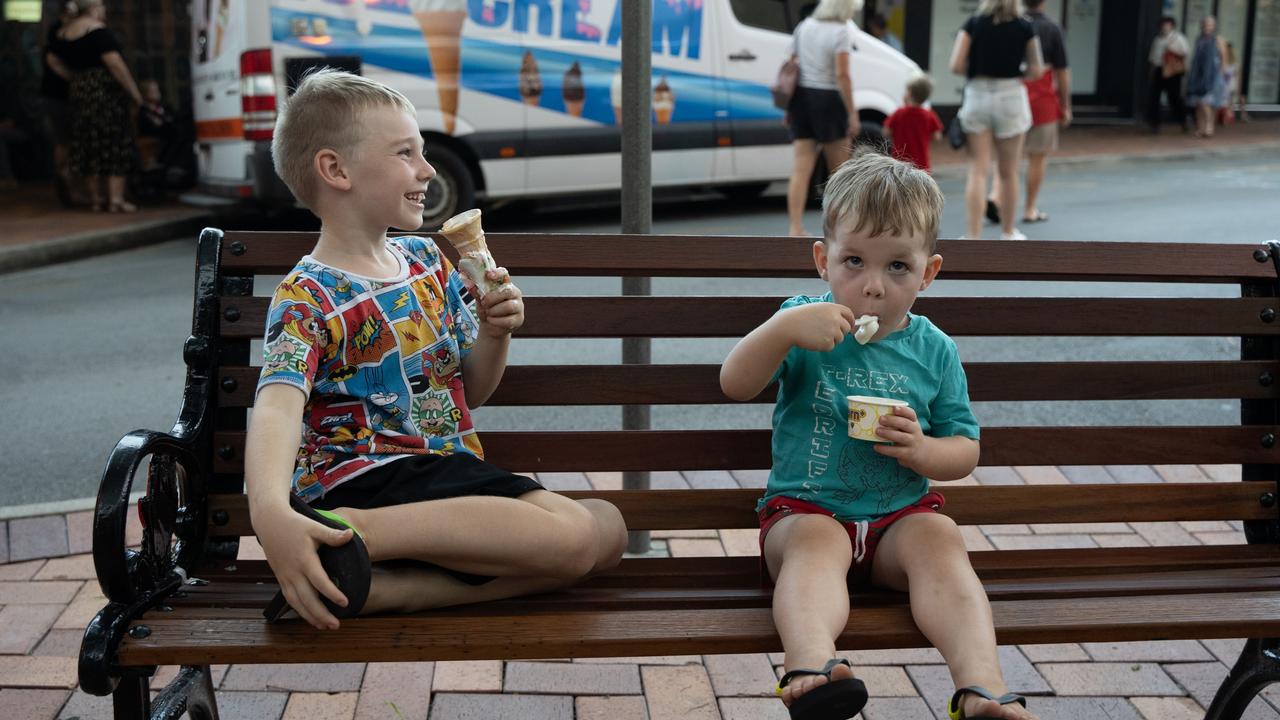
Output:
x=912 y=127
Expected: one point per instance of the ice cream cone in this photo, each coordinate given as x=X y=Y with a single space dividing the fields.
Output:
x=530 y=80
x=573 y=90
x=464 y=233
x=664 y=102
x=443 y=32
x=615 y=97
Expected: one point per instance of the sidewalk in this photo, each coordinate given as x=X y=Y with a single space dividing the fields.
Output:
x=35 y=230
x=48 y=595
x=1110 y=143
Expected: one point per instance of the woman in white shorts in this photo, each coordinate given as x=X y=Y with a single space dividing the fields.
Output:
x=995 y=50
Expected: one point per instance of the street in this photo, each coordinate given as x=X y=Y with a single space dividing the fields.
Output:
x=94 y=346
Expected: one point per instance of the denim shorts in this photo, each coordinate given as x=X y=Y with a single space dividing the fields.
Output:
x=998 y=105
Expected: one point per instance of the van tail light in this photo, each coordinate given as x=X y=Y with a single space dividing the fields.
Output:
x=257 y=94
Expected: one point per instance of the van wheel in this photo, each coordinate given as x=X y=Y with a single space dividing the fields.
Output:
x=873 y=135
x=450 y=192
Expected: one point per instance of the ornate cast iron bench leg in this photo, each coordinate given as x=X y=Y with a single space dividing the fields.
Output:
x=1257 y=667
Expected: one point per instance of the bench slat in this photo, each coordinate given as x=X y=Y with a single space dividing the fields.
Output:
x=668 y=450
x=243 y=637
x=731 y=317
x=756 y=256
x=528 y=385
x=967 y=505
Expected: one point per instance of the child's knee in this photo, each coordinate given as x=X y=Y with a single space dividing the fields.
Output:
x=610 y=535
x=817 y=534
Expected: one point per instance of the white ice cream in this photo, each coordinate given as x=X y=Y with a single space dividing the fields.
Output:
x=868 y=326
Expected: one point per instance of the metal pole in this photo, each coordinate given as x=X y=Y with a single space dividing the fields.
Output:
x=637 y=202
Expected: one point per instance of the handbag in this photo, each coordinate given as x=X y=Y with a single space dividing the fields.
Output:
x=955 y=133
x=1172 y=63
x=784 y=86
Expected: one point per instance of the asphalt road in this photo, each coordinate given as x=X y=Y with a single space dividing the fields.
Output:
x=93 y=348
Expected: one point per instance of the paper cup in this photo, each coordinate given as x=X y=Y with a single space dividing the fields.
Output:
x=865 y=413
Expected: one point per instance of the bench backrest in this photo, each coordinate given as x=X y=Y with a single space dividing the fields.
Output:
x=1248 y=316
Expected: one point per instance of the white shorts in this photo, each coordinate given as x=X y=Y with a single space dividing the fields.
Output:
x=1000 y=106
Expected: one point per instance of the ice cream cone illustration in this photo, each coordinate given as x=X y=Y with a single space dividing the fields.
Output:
x=615 y=97
x=574 y=91
x=530 y=80
x=664 y=102
x=441 y=22
x=464 y=233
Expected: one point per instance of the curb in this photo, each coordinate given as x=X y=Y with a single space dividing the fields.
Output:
x=99 y=242
x=961 y=170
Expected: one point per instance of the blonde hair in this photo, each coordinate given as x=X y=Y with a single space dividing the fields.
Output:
x=1001 y=10
x=883 y=196
x=920 y=87
x=839 y=10
x=324 y=114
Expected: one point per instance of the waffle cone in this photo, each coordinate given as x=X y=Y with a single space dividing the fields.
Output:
x=443 y=32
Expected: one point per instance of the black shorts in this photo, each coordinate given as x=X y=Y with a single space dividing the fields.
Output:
x=419 y=478
x=818 y=115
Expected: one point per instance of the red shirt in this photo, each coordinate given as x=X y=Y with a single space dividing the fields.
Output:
x=913 y=128
x=1043 y=98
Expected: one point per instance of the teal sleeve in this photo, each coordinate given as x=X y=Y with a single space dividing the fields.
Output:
x=950 y=413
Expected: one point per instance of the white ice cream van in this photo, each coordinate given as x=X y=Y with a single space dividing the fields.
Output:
x=518 y=98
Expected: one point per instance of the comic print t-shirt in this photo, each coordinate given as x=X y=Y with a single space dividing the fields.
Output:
x=379 y=359
x=815 y=460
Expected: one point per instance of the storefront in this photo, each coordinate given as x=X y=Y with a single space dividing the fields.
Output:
x=1107 y=43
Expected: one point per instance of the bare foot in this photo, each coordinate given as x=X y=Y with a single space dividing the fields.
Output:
x=798 y=232
x=805 y=683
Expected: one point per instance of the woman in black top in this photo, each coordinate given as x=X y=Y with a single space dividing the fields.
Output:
x=995 y=50
x=100 y=89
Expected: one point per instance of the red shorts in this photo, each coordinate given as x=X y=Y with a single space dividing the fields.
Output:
x=864 y=535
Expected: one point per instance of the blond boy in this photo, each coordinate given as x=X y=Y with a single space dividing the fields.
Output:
x=361 y=448
x=842 y=512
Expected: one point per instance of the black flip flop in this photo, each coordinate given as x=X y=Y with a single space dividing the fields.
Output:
x=347 y=565
x=993 y=213
x=833 y=700
x=955 y=713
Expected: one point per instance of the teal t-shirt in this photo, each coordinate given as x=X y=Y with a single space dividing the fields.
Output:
x=815 y=460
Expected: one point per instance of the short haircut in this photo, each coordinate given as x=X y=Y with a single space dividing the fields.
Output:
x=1033 y=4
x=882 y=196
x=842 y=10
x=324 y=114
x=920 y=87
x=1170 y=20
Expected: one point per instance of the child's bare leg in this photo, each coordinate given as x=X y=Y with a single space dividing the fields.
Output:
x=925 y=555
x=808 y=557
x=539 y=534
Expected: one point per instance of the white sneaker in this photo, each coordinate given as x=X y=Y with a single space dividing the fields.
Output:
x=1015 y=235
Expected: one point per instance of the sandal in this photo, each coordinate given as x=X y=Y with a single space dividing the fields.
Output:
x=347 y=566
x=1040 y=216
x=953 y=707
x=122 y=206
x=833 y=700
x=993 y=213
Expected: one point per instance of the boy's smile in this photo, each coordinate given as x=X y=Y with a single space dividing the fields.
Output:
x=388 y=173
x=878 y=276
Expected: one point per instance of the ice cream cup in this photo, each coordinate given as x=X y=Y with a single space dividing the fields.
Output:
x=865 y=413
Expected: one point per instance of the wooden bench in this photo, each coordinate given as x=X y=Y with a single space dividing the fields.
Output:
x=185 y=599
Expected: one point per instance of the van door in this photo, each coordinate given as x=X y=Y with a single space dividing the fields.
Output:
x=219 y=36
x=755 y=36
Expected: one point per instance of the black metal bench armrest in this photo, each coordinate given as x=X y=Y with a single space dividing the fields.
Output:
x=174 y=476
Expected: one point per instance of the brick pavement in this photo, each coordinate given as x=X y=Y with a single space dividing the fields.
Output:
x=48 y=593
